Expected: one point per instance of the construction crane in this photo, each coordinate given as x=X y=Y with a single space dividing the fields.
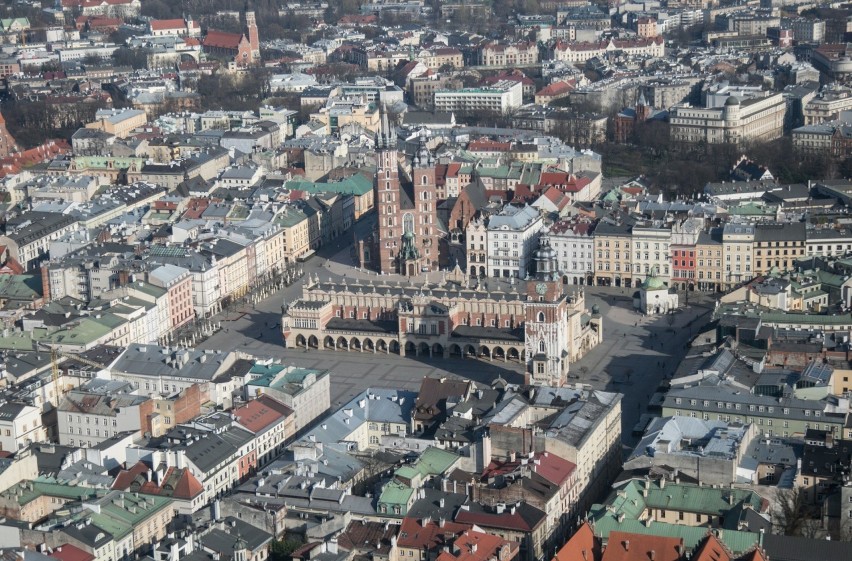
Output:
x=55 y=355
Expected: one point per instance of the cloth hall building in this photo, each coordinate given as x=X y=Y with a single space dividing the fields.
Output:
x=533 y=321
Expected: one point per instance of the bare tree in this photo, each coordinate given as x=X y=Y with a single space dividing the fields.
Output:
x=792 y=514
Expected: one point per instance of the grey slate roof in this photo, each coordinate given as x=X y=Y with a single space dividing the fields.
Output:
x=787 y=548
x=156 y=361
x=780 y=232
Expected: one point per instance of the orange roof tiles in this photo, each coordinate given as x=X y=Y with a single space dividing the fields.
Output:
x=260 y=413
x=556 y=88
x=583 y=546
x=125 y=477
x=479 y=546
x=415 y=535
x=177 y=483
x=68 y=552
x=222 y=39
x=161 y=24
x=624 y=546
x=488 y=146
x=18 y=161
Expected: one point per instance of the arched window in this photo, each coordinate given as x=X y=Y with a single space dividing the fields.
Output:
x=423 y=180
x=541 y=316
x=387 y=174
x=408 y=222
x=541 y=347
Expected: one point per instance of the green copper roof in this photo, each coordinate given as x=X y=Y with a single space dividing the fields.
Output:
x=28 y=491
x=396 y=493
x=626 y=511
x=433 y=461
x=357 y=184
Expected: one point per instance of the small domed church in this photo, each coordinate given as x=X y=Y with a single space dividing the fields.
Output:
x=654 y=296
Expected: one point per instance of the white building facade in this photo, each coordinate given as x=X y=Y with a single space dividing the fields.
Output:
x=512 y=236
x=575 y=249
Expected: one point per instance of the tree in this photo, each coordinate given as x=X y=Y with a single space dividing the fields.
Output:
x=281 y=550
x=137 y=59
x=792 y=513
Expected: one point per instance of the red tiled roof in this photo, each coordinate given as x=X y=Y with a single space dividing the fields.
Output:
x=11 y=266
x=68 y=552
x=488 y=146
x=126 y=477
x=222 y=39
x=408 y=67
x=582 y=546
x=302 y=552
x=553 y=468
x=556 y=88
x=104 y=22
x=261 y=413
x=414 y=535
x=178 y=483
x=624 y=546
x=20 y=160
x=187 y=486
x=191 y=42
x=479 y=546
x=712 y=549
x=161 y=24
x=195 y=208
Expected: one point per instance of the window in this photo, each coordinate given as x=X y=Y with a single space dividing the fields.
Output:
x=541 y=347
x=541 y=316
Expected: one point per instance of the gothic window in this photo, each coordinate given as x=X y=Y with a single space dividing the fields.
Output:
x=541 y=347
x=423 y=182
x=541 y=316
x=387 y=174
x=408 y=223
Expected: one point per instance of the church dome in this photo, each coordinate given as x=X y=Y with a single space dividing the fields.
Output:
x=545 y=260
x=733 y=100
x=653 y=282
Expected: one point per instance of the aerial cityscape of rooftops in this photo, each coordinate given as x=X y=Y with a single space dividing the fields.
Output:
x=425 y=280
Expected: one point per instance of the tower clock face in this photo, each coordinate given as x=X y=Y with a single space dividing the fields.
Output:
x=541 y=288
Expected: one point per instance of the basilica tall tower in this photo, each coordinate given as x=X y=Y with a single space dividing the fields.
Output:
x=387 y=197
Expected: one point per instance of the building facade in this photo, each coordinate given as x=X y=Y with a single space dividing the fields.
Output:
x=511 y=237
x=501 y=97
x=752 y=120
x=574 y=245
x=737 y=242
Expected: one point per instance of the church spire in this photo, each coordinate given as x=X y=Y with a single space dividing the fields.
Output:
x=387 y=135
